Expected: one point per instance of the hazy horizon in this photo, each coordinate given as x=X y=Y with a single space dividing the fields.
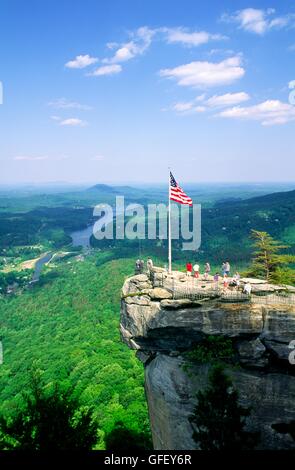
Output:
x=138 y=184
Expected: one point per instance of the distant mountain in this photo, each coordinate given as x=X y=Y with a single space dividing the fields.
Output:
x=101 y=188
x=126 y=191
x=108 y=188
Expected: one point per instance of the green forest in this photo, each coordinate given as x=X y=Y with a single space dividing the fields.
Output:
x=67 y=327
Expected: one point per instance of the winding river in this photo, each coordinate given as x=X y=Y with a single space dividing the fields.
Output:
x=39 y=265
x=79 y=238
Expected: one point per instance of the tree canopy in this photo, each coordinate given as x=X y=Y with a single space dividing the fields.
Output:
x=48 y=420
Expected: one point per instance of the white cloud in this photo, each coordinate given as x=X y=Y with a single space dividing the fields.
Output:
x=63 y=103
x=98 y=158
x=199 y=109
x=40 y=158
x=229 y=99
x=181 y=107
x=257 y=20
x=206 y=74
x=280 y=22
x=140 y=41
x=106 y=70
x=188 y=106
x=73 y=122
x=221 y=52
x=253 y=20
x=123 y=54
x=81 y=61
x=270 y=112
x=215 y=101
x=187 y=38
x=112 y=45
x=292 y=47
x=30 y=158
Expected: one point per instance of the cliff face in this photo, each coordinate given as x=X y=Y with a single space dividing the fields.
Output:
x=162 y=328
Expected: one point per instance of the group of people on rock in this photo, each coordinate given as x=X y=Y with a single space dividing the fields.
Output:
x=194 y=270
x=139 y=265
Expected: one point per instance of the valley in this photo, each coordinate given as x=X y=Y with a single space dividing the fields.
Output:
x=65 y=323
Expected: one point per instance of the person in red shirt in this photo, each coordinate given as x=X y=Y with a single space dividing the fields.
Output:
x=225 y=282
x=189 y=269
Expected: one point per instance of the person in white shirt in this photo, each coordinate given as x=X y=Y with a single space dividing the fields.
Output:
x=236 y=280
x=247 y=288
x=196 y=269
x=137 y=266
x=149 y=264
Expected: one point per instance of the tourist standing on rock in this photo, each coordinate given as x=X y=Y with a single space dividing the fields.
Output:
x=149 y=265
x=137 y=266
x=196 y=269
x=216 y=280
x=189 y=268
x=223 y=269
x=236 y=280
x=141 y=266
x=207 y=270
x=227 y=268
x=225 y=281
x=247 y=288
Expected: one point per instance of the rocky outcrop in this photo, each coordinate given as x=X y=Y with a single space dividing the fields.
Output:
x=162 y=328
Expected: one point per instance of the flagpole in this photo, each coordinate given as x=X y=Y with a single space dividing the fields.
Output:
x=169 y=231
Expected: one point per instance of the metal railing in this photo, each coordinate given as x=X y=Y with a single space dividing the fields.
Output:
x=192 y=290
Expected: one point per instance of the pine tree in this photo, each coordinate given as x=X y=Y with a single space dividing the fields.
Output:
x=218 y=419
x=267 y=259
x=48 y=421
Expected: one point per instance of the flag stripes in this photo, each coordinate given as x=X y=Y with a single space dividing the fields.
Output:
x=177 y=194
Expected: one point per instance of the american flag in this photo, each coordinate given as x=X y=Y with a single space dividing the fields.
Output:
x=177 y=194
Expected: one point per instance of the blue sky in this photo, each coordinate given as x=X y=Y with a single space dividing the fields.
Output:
x=117 y=91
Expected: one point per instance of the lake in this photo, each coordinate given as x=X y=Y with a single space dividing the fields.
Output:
x=82 y=237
